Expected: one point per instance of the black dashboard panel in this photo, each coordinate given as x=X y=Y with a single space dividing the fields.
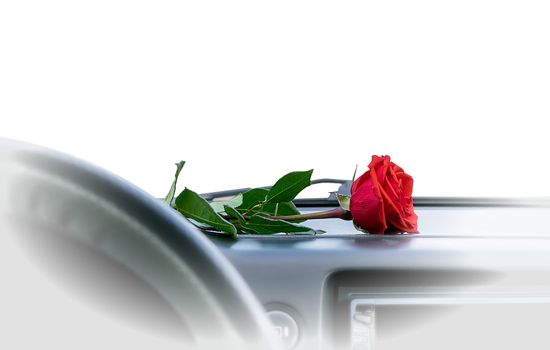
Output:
x=317 y=279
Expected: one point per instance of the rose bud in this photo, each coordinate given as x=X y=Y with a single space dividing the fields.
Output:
x=381 y=199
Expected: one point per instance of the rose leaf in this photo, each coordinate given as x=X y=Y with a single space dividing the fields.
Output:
x=288 y=186
x=171 y=193
x=193 y=206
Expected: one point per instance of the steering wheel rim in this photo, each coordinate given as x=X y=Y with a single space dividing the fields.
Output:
x=115 y=217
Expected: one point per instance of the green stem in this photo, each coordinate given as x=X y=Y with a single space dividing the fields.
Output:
x=336 y=213
x=252 y=208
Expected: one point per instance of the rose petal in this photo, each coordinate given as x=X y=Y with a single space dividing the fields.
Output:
x=381 y=198
x=367 y=208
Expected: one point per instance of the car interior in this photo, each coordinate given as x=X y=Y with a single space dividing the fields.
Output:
x=475 y=277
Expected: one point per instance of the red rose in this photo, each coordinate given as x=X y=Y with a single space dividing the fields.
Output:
x=381 y=199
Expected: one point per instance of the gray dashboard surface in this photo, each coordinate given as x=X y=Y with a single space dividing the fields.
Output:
x=504 y=247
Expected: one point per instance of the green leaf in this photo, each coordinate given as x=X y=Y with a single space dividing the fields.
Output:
x=233 y=202
x=256 y=196
x=241 y=221
x=343 y=200
x=288 y=186
x=170 y=196
x=233 y=213
x=246 y=230
x=193 y=206
x=282 y=209
x=266 y=226
x=252 y=198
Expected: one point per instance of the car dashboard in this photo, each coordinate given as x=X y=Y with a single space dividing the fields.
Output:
x=474 y=277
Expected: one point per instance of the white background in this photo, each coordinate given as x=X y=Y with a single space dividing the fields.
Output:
x=457 y=92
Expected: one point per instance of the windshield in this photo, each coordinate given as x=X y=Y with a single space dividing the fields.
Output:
x=246 y=92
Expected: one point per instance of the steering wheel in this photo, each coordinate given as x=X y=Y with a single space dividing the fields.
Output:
x=44 y=192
